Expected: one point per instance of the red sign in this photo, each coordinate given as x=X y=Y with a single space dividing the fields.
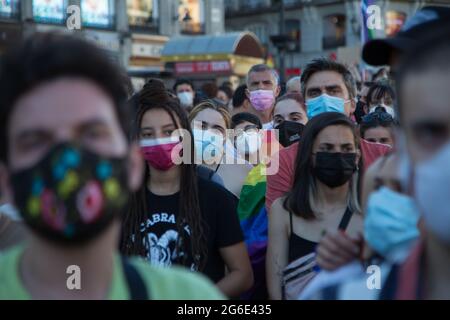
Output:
x=293 y=72
x=202 y=67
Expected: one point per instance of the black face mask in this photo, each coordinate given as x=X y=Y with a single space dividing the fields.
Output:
x=334 y=168
x=289 y=132
x=71 y=195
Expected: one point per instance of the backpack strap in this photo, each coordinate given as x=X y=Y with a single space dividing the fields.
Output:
x=138 y=290
x=389 y=289
x=345 y=219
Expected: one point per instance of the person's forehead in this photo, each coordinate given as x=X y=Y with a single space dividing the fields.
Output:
x=426 y=95
x=242 y=125
x=286 y=107
x=261 y=76
x=324 y=79
x=184 y=86
x=61 y=104
x=378 y=132
x=336 y=134
x=211 y=117
x=156 y=118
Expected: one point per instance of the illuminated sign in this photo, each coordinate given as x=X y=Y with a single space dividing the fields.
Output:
x=50 y=11
x=191 y=16
x=394 y=22
x=8 y=8
x=97 y=13
x=142 y=12
x=202 y=67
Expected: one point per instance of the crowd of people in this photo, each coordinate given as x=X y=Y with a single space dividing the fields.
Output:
x=265 y=191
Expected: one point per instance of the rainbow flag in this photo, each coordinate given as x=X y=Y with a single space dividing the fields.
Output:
x=254 y=223
x=253 y=217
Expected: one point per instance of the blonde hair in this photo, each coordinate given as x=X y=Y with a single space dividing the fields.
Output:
x=209 y=104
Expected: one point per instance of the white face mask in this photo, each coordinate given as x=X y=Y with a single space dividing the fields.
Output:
x=248 y=142
x=432 y=192
x=186 y=98
x=388 y=109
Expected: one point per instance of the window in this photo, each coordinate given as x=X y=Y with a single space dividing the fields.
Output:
x=394 y=22
x=142 y=13
x=255 y=4
x=260 y=31
x=97 y=13
x=333 y=31
x=191 y=16
x=9 y=9
x=292 y=29
x=49 y=11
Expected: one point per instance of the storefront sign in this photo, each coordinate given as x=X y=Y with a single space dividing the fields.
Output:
x=146 y=50
x=202 y=67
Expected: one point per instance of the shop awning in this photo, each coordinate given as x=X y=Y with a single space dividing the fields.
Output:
x=230 y=53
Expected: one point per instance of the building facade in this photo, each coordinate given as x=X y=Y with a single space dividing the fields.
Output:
x=132 y=32
x=329 y=28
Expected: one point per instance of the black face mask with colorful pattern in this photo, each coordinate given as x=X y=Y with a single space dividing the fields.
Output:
x=72 y=194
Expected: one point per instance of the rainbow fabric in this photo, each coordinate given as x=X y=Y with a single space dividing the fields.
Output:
x=254 y=223
x=253 y=217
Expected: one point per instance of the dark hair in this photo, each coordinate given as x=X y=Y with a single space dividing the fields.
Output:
x=154 y=96
x=298 y=199
x=374 y=120
x=210 y=90
x=181 y=81
x=239 y=96
x=322 y=64
x=431 y=52
x=227 y=90
x=227 y=84
x=48 y=56
x=238 y=118
x=378 y=90
x=292 y=96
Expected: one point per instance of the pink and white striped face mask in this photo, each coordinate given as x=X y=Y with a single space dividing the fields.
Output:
x=158 y=152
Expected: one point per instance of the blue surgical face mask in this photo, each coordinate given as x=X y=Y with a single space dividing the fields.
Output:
x=390 y=226
x=208 y=145
x=432 y=192
x=324 y=103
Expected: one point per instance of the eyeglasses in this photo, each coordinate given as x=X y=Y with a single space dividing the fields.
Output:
x=382 y=117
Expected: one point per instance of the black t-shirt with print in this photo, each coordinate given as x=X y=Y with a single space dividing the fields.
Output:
x=219 y=210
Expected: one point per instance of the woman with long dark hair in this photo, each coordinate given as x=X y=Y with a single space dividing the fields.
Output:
x=324 y=197
x=176 y=217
